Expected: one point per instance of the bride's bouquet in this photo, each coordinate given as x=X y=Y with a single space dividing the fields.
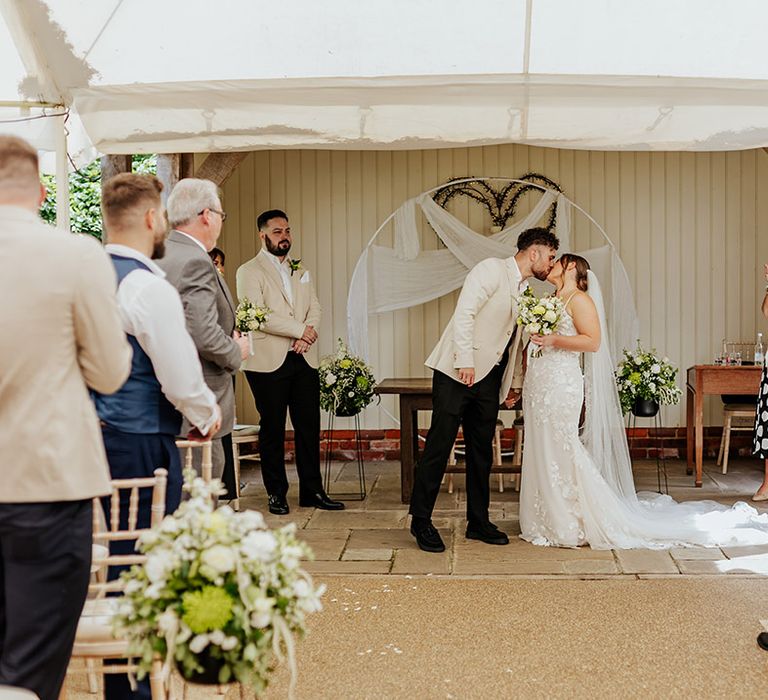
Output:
x=249 y=318
x=540 y=316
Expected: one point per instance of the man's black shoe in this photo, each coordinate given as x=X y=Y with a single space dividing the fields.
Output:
x=487 y=533
x=278 y=505
x=762 y=640
x=427 y=537
x=321 y=501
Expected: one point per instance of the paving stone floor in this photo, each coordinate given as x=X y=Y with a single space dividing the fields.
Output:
x=372 y=537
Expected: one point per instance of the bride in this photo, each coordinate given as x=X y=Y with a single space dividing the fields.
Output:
x=578 y=490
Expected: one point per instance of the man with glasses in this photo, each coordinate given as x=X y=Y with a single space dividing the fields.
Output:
x=196 y=217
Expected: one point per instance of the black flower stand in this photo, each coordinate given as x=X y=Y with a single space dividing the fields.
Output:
x=650 y=409
x=362 y=491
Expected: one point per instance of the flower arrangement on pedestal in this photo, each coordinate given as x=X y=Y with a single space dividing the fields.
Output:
x=220 y=597
x=644 y=380
x=346 y=383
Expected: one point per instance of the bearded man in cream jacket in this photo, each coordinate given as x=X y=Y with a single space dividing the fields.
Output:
x=282 y=372
x=477 y=366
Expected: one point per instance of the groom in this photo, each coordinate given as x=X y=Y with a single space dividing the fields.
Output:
x=477 y=365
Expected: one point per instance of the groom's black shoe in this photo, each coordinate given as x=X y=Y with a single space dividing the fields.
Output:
x=488 y=533
x=426 y=536
x=321 y=501
x=278 y=505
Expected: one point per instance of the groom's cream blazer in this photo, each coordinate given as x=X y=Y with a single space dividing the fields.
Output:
x=483 y=324
x=260 y=281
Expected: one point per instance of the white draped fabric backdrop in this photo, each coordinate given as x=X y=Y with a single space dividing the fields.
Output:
x=386 y=279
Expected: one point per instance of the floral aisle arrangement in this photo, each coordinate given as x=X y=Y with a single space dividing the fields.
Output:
x=346 y=383
x=220 y=597
x=537 y=315
x=642 y=376
x=249 y=318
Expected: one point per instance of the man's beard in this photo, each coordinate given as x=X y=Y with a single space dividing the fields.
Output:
x=158 y=250
x=541 y=275
x=280 y=249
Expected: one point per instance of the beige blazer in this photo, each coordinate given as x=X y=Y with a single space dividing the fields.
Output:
x=260 y=281
x=484 y=322
x=61 y=335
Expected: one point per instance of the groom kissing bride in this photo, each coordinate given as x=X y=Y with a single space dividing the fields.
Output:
x=478 y=364
x=577 y=487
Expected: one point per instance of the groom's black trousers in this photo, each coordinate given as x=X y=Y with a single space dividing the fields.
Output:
x=476 y=409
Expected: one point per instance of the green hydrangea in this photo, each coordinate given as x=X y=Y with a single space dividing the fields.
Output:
x=207 y=609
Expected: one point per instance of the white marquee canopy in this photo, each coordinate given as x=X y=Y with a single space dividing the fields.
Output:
x=194 y=76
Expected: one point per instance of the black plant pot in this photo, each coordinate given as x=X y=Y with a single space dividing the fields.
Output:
x=210 y=673
x=645 y=408
x=346 y=411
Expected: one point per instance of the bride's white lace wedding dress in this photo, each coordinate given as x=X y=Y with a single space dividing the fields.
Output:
x=565 y=499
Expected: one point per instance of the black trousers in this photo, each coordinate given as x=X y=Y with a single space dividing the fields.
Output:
x=45 y=561
x=476 y=409
x=293 y=387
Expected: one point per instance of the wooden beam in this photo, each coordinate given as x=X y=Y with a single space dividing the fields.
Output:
x=187 y=165
x=217 y=167
x=113 y=165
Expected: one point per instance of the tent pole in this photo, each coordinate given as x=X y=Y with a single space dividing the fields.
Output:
x=62 y=175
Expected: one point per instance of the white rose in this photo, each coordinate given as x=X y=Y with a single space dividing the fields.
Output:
x=169 y=524
x=229 y=643
x=251 y=520
x=330 y=378
x=219 y=558
x=198 y=643
x=550 y=316
x=157 y=567
x=258 y=545
x=655 y=369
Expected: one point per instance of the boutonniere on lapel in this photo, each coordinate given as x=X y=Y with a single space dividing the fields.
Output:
x=295 y=265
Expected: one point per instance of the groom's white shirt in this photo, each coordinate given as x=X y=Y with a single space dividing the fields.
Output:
x=483 y=324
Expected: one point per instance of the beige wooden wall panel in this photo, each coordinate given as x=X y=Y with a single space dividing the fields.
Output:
x=689 y=228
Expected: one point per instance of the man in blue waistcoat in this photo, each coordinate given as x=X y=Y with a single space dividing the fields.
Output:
x=142 y=419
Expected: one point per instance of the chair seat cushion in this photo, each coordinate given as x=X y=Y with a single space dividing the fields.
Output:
x=740 y=407
x=243 y=430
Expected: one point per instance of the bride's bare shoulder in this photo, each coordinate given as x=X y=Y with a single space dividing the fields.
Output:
x=582 y=302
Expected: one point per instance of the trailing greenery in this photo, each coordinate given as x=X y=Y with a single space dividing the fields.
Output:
x=85 y=194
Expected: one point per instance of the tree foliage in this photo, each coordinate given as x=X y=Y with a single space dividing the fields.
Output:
x=85 y=194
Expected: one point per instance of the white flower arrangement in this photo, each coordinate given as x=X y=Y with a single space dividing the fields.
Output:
x=218 y=591
x=346 y=383
x=249 y=317
x=539 y=316
x=643 y=375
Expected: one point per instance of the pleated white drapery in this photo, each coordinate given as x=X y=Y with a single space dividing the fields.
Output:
x=386 y=279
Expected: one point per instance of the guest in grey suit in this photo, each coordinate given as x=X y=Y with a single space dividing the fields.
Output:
x=196 y=217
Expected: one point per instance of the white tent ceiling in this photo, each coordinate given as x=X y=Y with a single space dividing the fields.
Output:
x=193 y=75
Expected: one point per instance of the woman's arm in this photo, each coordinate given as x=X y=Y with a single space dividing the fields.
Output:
x=765 y=298
x=587 y=324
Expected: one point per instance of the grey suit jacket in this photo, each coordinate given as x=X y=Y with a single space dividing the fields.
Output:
x=210 y=315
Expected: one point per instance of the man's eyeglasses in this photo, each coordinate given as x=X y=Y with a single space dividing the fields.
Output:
x=222 y=214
